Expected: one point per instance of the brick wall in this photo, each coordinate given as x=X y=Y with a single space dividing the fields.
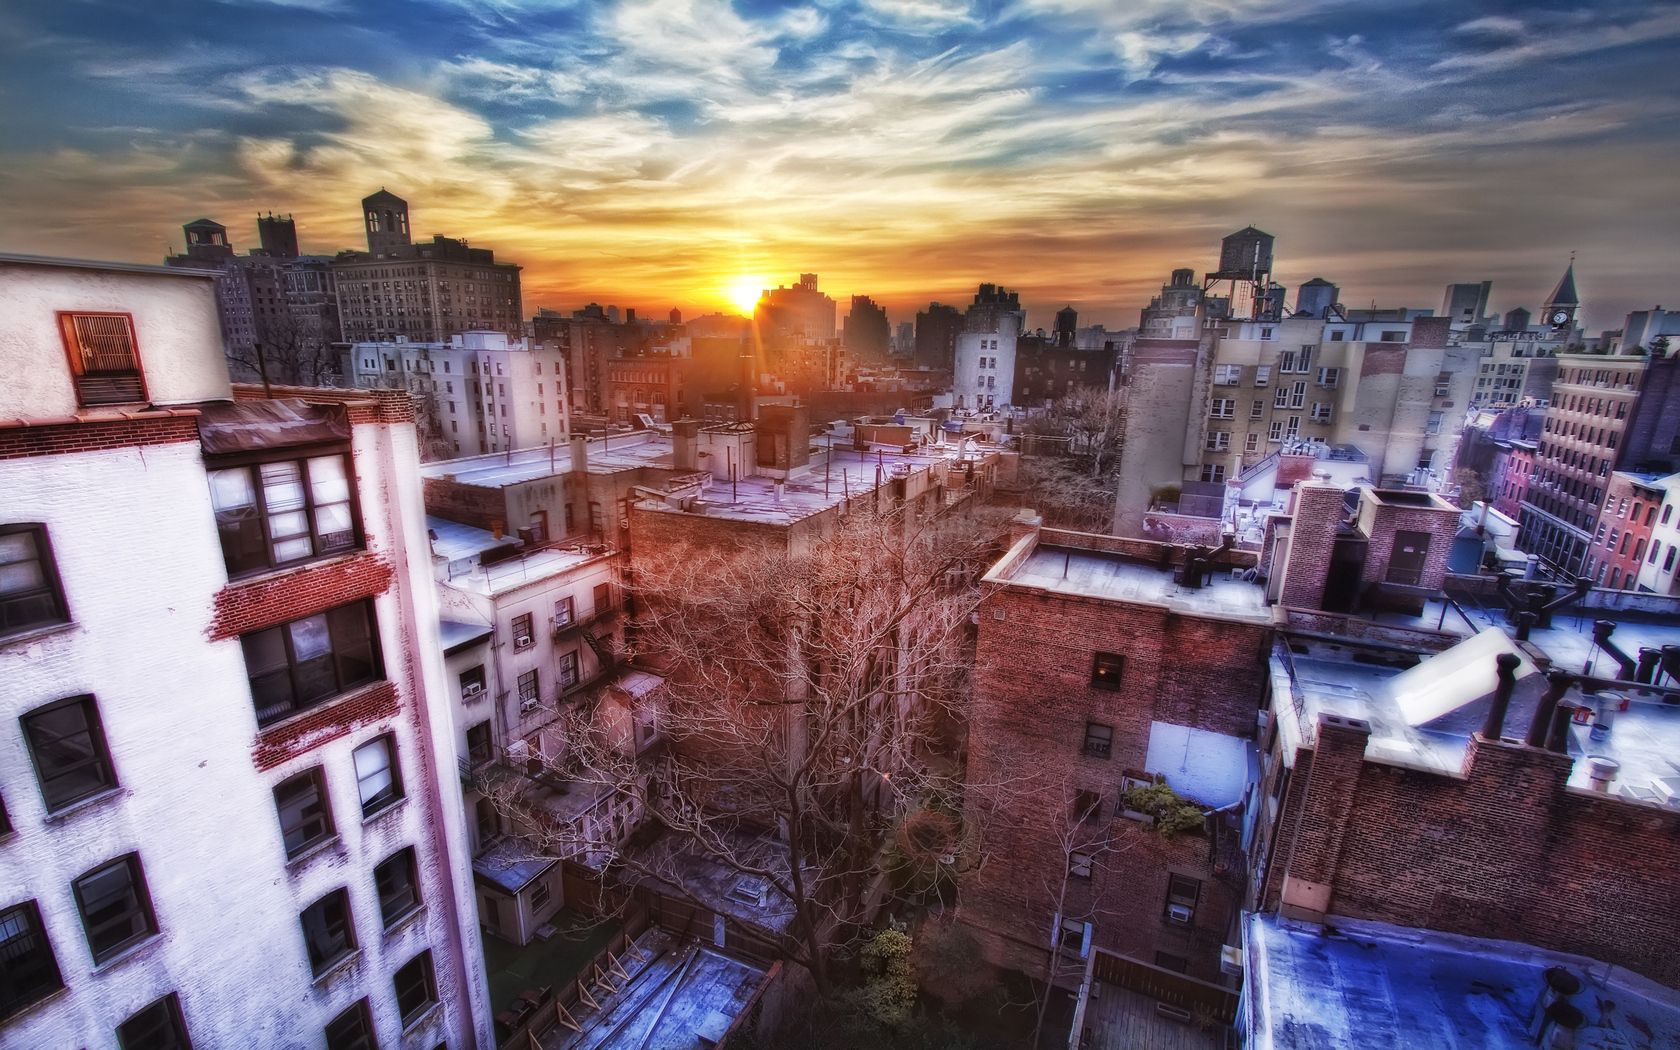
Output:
x=1318 y=511
x=328 y=722
x=251 y=605
x=472 y=505
x=363 y=406
x=1441 y=525
x=1502 y=850
x=1033 y=697
x=53 y=437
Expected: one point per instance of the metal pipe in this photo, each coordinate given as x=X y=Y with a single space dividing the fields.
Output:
x=1557 y=739
x=1507 y=672
x=1558 y=683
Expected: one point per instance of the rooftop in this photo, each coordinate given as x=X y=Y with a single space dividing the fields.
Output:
x=105 y=264
x=1371 y=984
x=456 y=635
x=1209 y=767
x=510 y=865
x=1119 y=577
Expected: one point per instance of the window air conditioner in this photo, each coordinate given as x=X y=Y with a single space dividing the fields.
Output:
x=522 y=641
x=1179 y=913
x=470 y=691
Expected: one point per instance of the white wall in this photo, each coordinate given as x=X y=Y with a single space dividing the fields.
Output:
x=974 y=376
x=176 y=328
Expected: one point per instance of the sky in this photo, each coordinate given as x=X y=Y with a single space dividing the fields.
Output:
x=660 y=153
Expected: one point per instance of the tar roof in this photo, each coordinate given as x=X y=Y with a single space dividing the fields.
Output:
x=1367 y=984
x=1103 y=574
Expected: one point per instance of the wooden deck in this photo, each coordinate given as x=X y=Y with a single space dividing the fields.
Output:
x=1121 y=1020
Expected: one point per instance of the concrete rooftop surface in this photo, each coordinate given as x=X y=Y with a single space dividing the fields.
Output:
x=1099 y=574
x=1371 y=985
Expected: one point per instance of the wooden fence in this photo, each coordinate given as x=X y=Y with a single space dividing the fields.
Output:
x=1167 y=986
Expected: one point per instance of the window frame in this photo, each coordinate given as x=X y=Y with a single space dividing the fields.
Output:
x=489 y=751
x=252 y=463
x=316 y=776
x=571 y=670
x=171 y=1006
x=528 y=690
x=1179 y=894
x=393 y=792
x=410 y=865
x=93 y=726
x=1096 y=745
x=52 y=584
x=348 y=946
x=141 y=907
x=482 y=680
x=26 y=915
x=297 y=704
x=364 y=1038
x=75 y=359
x=427 y=975
x=530 y=634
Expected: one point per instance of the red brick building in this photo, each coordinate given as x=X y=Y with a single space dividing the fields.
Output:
x=652 y=386
x=1098 y=669
x=1625 y=523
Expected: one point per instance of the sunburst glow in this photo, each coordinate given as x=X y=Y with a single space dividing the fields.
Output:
x=742 y=293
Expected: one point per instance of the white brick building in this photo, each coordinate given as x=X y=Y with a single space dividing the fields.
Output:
x=230 y=814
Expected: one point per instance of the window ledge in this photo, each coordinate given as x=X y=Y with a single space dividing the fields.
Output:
x=126 y=952
x=39 y=1004
x=337 y=967
x=309 y=853
x=281 y=571
x=405 y=920
x=422 y=1018
x=80 y=806
x=281 y=724
x=383 y=811
x=35 y=634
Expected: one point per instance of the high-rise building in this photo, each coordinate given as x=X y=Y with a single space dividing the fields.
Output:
x=1174 y=313
x=995 y=309
x=230 y=807
x=278 y=236
x=904 y=339
x=983 y=379
x=937 y=329
x=788 y=316
x=868 y=334
x=1466 y=304
x=425 y=292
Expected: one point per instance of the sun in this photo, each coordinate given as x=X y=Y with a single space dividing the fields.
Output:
x=742 y=293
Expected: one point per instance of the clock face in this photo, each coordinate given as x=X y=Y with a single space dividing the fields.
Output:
x=1560 y=317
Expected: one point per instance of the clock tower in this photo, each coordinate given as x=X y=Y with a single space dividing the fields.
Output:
x=1562 y=305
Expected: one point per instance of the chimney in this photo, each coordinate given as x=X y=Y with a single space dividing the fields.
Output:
x=579 y=453
x=1558 y=683
x=685 y=444
x=1319 y=511
x=1495 y=724
x=1601 y=771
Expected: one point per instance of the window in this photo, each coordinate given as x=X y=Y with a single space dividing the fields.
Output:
x=1087 y=806
x=305 y=815
x=352 y=1029
x=1256 y=409
x=157 y=1027
x=472 y=682
x=569 y=670
x=116 y=910
x=104 y=361
x=540 y=896
x=528 y=698
x=563 y=612
x=67 y=745
x=1099 y=739
x=1213 y=472
x=327 y=932
x=377 y=778
x=1329 y=377
x=1217 y=441
x=1297 y=394
x=5 y=821
x=479 y=746
x=1105 y=670
x=1227 y=375
x=1079 y=865
x=30 y=595
x=1321 y=412
x=416 y=989
x=603 y=596
x=1251 y=441
x=1169 y=961
x=523 y=636
x=1182 y=892
x=28 y=971
x=399 y=890
x=1262 y=375
x=275 y=514
x=489 y=823
x=300 y=664
x=1668 y=560
x=1286 y=361
x=1223 y=408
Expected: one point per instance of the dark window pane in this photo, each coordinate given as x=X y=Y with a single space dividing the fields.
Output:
x=28 y=970
x=29 y=591
x=157 y=1027
x=327 y=931
x=311 y=660
x=415 y=991
x=115 y=910
x=68 y=747
x=305 y=817
x=399 y=892
x=352 y=1029
x=313 y=655
x=284 y=512
x=271 y=675
x=354 y=644
x=238 y=520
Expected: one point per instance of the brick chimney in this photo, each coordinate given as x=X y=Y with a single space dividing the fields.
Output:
x=1326 y=806
x=685 y=445
x=1312 y=537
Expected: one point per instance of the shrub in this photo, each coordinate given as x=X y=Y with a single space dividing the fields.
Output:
x=1173 y=814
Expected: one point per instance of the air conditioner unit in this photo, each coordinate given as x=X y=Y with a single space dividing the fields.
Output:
x=468 y=692
x=522 y=641
x=1179 y=913
x=517 y=750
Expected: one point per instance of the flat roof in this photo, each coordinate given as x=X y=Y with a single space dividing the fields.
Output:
x=1364 y=983
x=1116 y=577
x=101 y=264
x=510 y=865
x=1211 y=768
x=456 y=635
x=606 y=455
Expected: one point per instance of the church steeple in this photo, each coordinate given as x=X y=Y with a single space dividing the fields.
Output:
x=1561 y=306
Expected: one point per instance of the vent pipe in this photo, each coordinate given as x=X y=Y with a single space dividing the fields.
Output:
x=1558 y=683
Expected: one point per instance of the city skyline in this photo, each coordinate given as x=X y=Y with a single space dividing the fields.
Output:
x=669 y=153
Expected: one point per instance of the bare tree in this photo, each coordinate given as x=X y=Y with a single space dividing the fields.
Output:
x=808 y=711
x=287 y=352
x=1074 y=489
